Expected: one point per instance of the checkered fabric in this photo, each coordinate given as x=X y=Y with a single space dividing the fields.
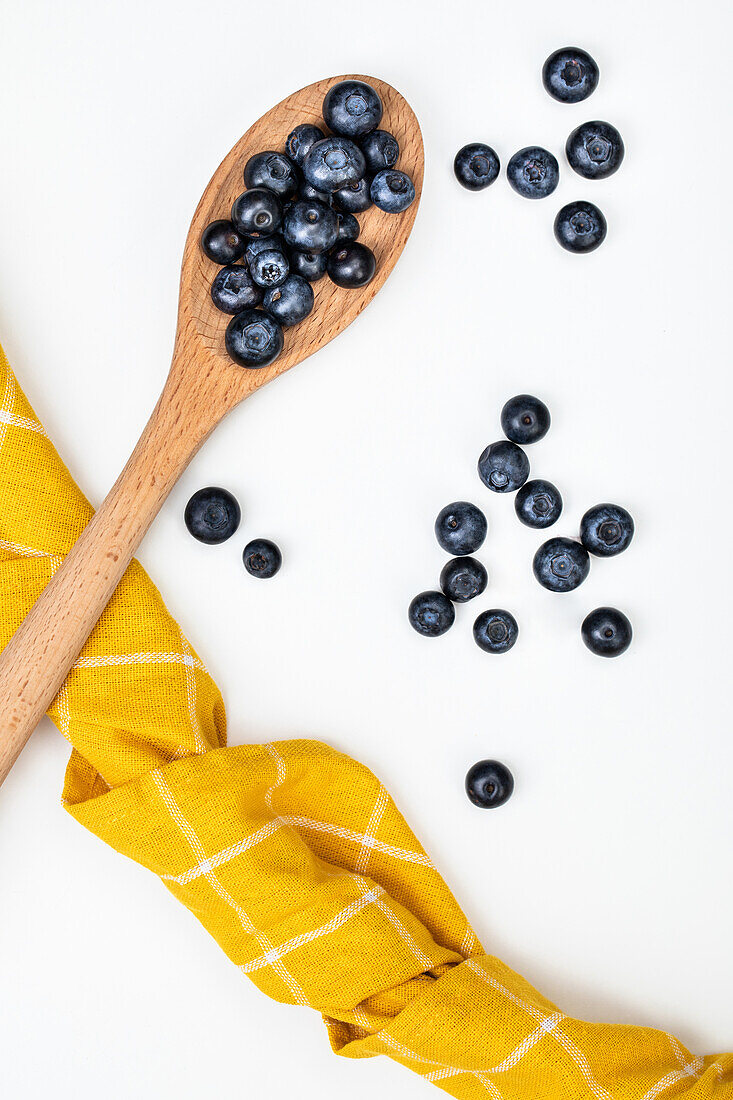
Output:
x=292 y=855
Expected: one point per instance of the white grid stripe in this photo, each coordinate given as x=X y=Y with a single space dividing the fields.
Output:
x=29 y=552
x=368 y=842
x=443 y=1071
x=11 y=420
x=153 y=658
x=225 y=855
x=188 y=666
x=6 y=408
x=392 y=917
x=309 y=825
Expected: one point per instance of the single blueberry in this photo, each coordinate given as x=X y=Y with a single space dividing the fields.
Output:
x=310 y=226
x=431 y=614
x=353 y=198
x=352 y=108
x=301 y=139
x=262 y=558
x=561 y=564
x=257 y=213
x=332 y=163
x=212 y=515
x=606 y=530
x=489 y=784
x=461 y=528
x=351 y=265
x=533 y=172
x=269 y=268
x=463 y=578
x=538 y=504
x=503 y=466
x=476 y=166
x=290 y=303
x=222 y=243
x=495 y=631
x=595 y=150
x=381 y=150
x=253 y=338
x=262 y=244
x=311 y=265
x=234 y=289
x=570 y=75
x=607 y=632
x=525 y=419
x=274 y=171
x=349 y=228
x=392 y=191
x=580 y=227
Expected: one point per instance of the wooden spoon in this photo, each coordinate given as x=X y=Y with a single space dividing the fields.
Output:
x=203 y=385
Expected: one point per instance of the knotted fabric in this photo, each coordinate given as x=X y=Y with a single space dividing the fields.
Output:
x=292 y=855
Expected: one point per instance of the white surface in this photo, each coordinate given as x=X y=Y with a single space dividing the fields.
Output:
x=606 y=880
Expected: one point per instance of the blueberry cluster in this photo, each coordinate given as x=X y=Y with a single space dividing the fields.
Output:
x=212 y=516
x=295 y=222
x=594 y=150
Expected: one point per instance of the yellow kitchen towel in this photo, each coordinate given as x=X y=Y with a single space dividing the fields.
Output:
x=292 y=855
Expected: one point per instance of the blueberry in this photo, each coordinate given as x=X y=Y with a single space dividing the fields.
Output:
x=476 y=166
x=353 y=198
x=560 y=564
x=431 y=614
x=463 y=578
x=311 y=265
x=607 y=632
x=595 y=150
x=332 y=163
x=290 y=303
x=262 y=558
x=310 y=226
x=262 y=244
x=305 y=191
x=570 y=75
x=257 y=213
x=352 y=108
x=349 y=228
x=381 y=150
x=525 y=419
x=222 y=243
x=301 y=139
x=269 y=267
x=253 y=338
x=606 y=530
x=533 y=172
x=538 y=504
x=351 y=265
x=212 y=515
x=580 y=227
x=392 y=191
x=503 y=466
x=489 y=784
x=233 y=290
x=461 y=528
x=274 y=171
x=495 y=631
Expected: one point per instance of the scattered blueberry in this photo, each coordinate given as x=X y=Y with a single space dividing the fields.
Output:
x=332 y=163
x=538 y=503
x=351 y=265
x=606 y=530
x=525 y=419
x=212 y=515
x=257 y=213
x=489 y=784
x=290 y=303
x=310 y=226
x=349 y=228
x=580 y=227
x=561 y=564
x=260 y=244
x=274 y=171
x=431 y=614
x=233 y=290
x=595 y=150
x=495 y=631
x=533 y=172
x=253 y=338
x=392 y=191
x=503 y=466
x=461 y=528
x=222 y=243
x=352 y=108
x=262 y=558
x=300 y=140
x=353 y=198
x=476 y=166
x=311 y=265
x=380 y=150
x=269 y=268
x=463 y=578
x=570 y=75
x=607 y=632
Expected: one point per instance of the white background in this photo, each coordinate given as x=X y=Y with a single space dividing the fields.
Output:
x=606 y=880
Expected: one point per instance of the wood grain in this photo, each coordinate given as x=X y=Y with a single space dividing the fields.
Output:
x=203 y=385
